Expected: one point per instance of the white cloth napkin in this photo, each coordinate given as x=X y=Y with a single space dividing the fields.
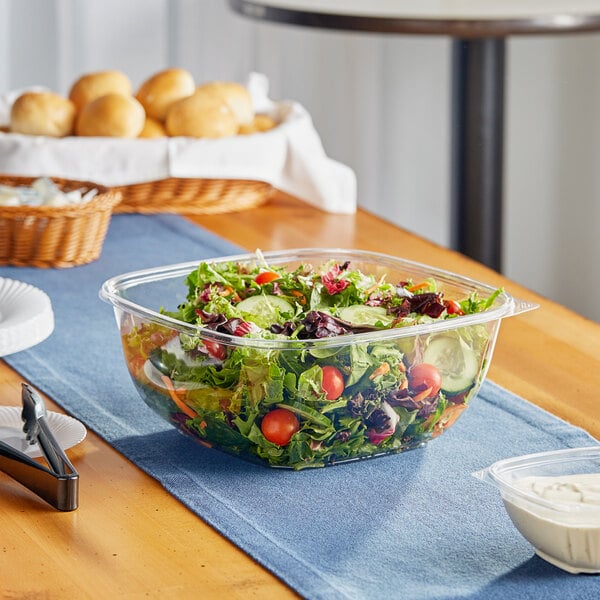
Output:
x=290 y=157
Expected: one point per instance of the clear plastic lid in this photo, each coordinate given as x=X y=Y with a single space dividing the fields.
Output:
x=508 y=474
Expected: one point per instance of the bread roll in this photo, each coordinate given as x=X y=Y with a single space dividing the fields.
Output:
x=153 y=129
x=259 y=124
x=93 y=85
x=235 y=95
x=42 y=113
x=112 y=115
x=162 y=89
x=202 y=115
x=264 y=122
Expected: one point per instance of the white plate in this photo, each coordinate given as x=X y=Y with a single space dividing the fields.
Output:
x=67 y=430
x=26 y=316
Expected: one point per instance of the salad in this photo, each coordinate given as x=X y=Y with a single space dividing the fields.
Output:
x=288 y=365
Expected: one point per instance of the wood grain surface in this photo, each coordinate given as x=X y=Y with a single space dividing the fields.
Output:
x=130 y=539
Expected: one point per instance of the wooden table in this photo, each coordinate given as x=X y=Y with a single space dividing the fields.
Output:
x=478 y=29
x=130 y=538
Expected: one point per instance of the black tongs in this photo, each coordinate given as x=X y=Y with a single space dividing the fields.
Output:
x=57 y=484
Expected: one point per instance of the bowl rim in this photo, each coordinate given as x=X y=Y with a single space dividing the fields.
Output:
x=110 y=293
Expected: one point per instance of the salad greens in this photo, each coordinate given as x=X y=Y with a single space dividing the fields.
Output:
x=300 y=403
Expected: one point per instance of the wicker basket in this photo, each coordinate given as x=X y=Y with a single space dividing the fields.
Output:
x=48 y=236
x=192 y=196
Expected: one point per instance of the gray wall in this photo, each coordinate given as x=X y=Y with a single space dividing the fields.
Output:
x=381 y=105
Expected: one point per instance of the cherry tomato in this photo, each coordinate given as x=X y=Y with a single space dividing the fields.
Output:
x=427 y=376
x=266 y=277
x=333 y=383
x=279 y=425
x=453 y=307
x=215 y=349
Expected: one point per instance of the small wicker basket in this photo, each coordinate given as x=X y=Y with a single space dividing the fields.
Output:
x=48 y=236
x=192 y=196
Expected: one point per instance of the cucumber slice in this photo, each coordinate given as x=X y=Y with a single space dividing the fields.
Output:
x=265 y=309
x=458 y=364
x=359 y=314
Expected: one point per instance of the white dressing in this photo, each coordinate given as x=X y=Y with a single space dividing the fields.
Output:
x=567 y=489
x=564 y=527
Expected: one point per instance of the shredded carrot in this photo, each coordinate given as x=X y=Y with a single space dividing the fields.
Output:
x=180 y=403
x=301 y=297
x=229 y=291
x=422 y=395
x=424 y=285
x=446 y=419
x=382 y=369
x=375 y=285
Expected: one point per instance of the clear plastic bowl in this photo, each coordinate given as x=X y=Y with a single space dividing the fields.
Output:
x=222 y=401
x=553 y=499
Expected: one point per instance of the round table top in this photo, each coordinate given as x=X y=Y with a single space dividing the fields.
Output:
x=459 y=18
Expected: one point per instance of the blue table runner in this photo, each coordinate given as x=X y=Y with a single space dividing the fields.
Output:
x=415 y=525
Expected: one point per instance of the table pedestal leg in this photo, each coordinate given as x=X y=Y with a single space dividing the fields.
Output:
x=478 y=121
